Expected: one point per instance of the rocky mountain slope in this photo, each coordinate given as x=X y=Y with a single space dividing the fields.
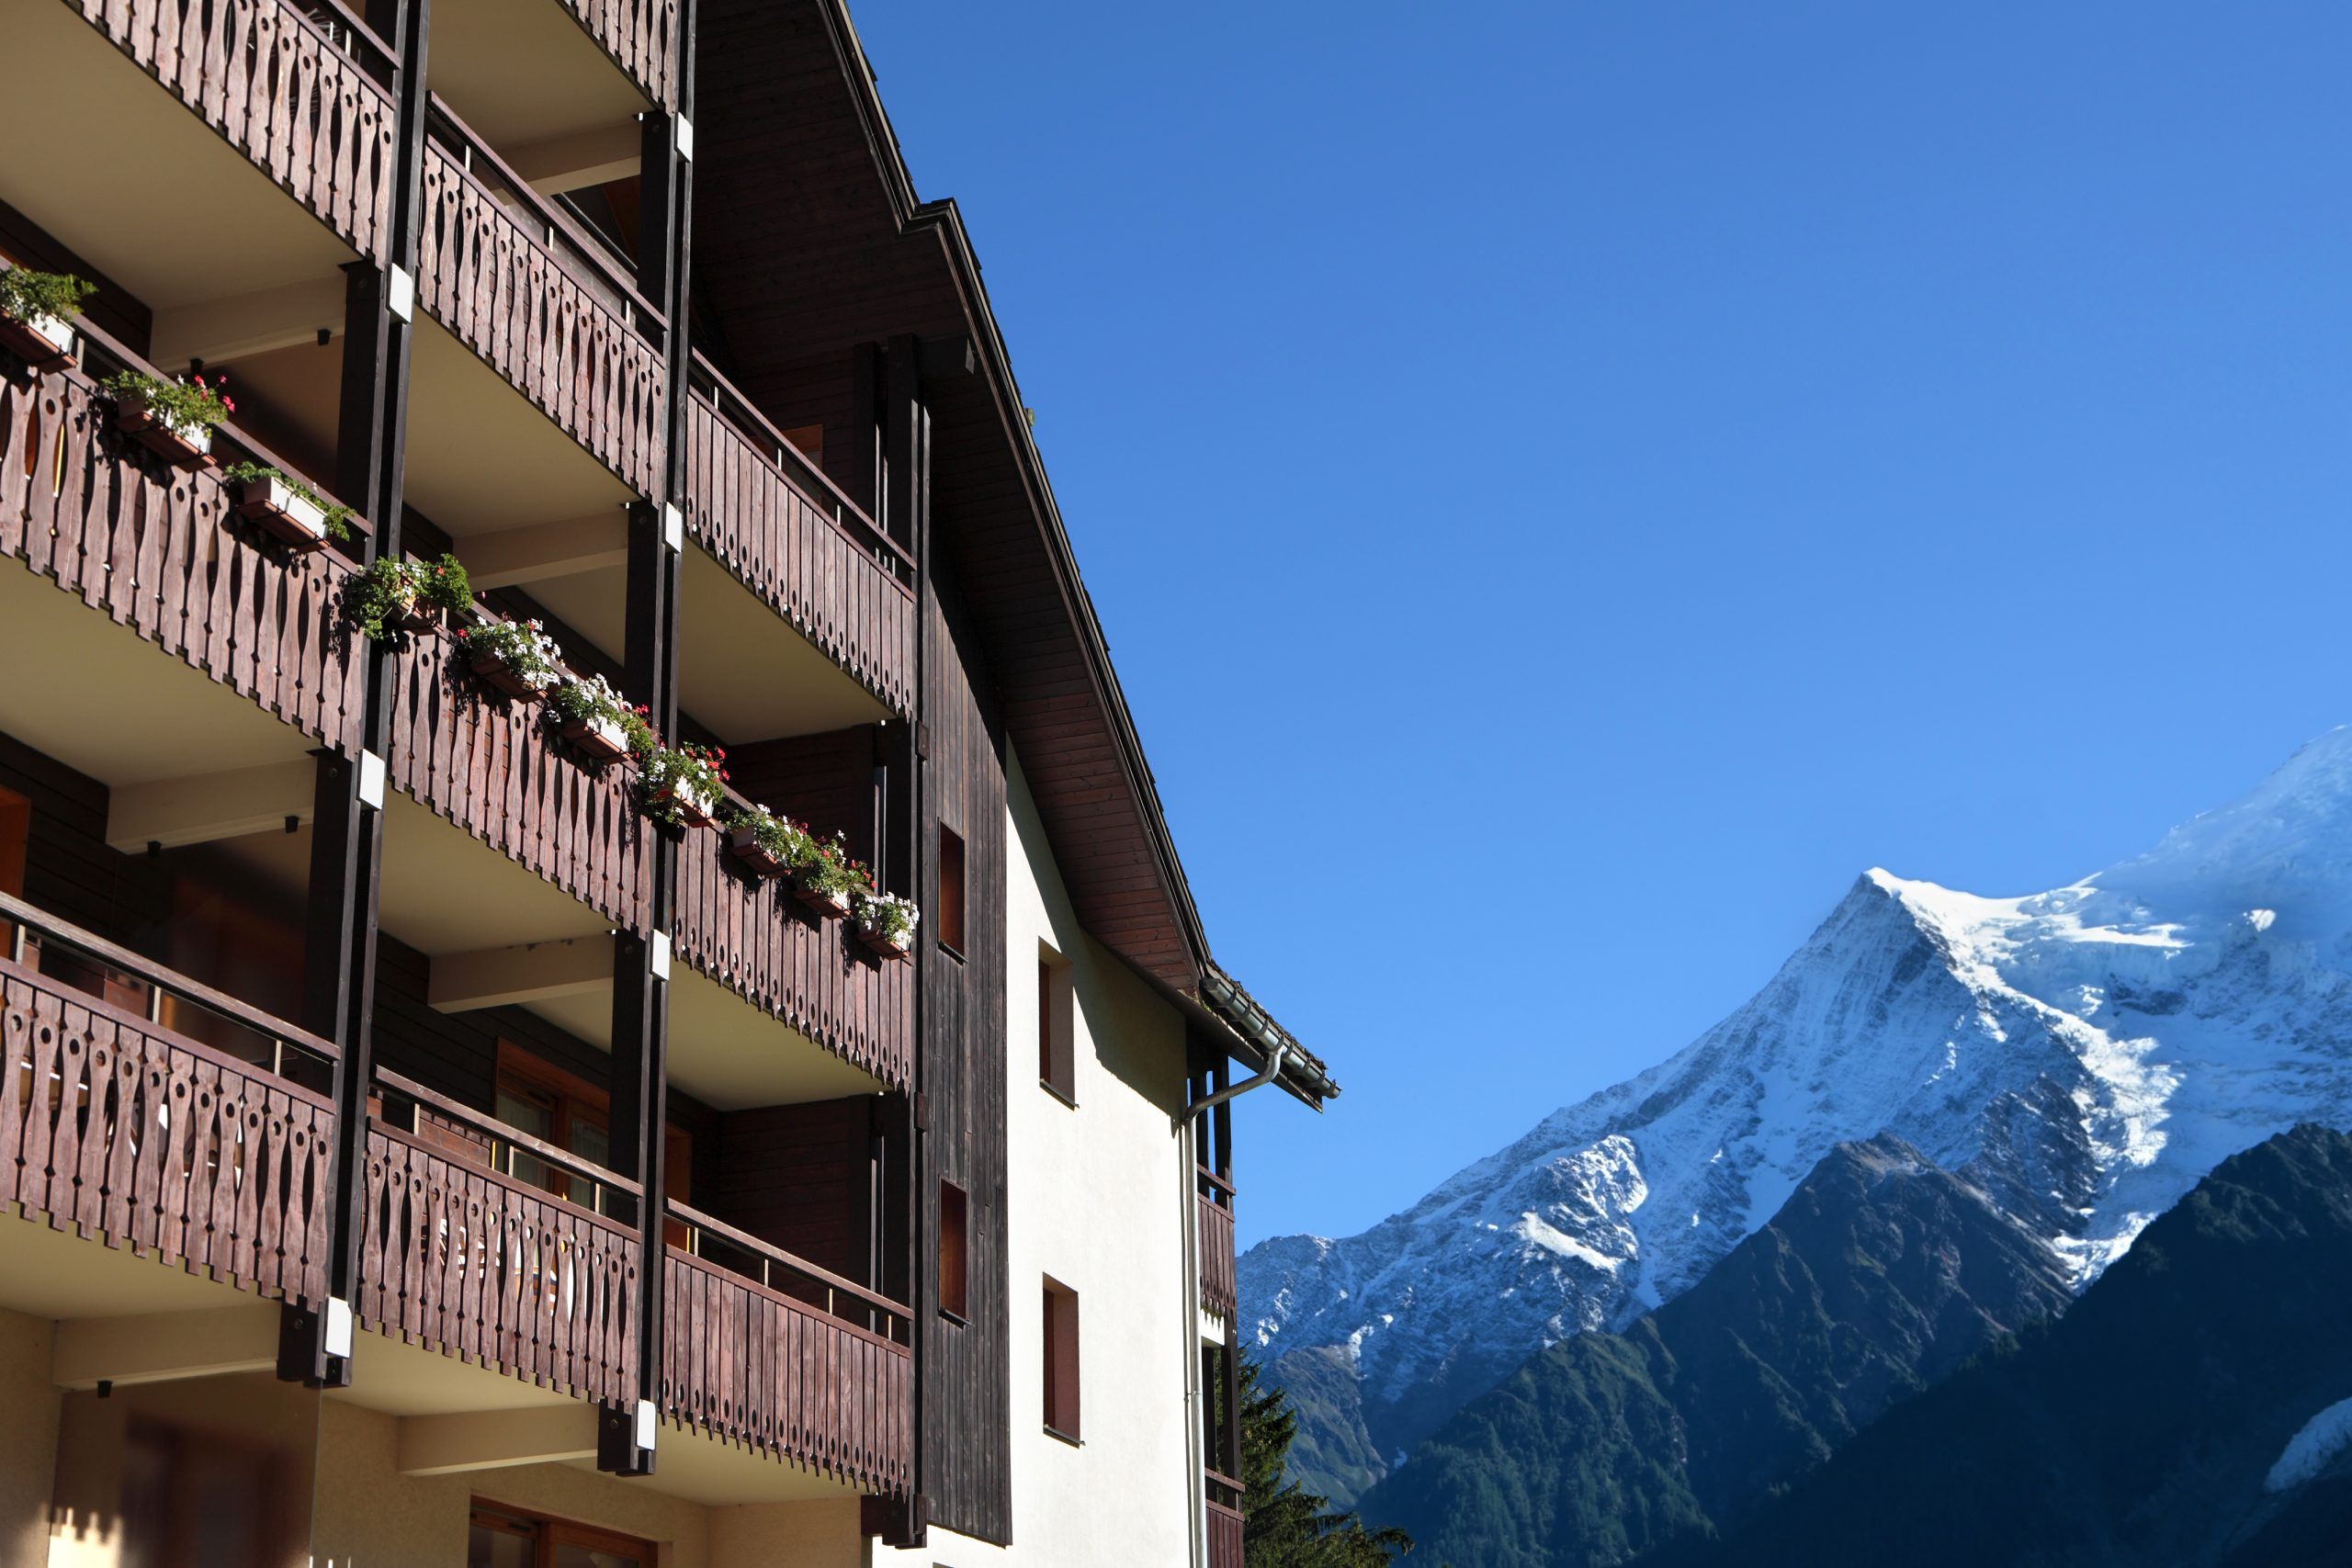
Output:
x=2082 y=1057
x=2189 y=1411
x=1879 y=1276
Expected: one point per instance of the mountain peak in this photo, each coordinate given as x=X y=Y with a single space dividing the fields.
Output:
x=2079 y=1056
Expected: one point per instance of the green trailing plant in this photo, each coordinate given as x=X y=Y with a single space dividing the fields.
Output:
x=389 y=591
x=523 y=646
x=26 y=295
x=886 y=917
x=592 y=701
x=670 y=773
x=830 y=872
x=191 y=405
x=780 y=838
x=338 y=516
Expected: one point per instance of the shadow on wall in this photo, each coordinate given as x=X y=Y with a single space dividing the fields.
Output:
x=213 y=1473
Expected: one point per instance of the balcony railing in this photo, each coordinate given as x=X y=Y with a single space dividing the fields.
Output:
x=641 y=38
x=794 y=540
x=1226 y=1530
x=472 y=1260
x=492 y=766
x=747 y=934
x=1216 y=1210
x=161 y=550
x=542 y=301
x=115 y=1121
x=306 y=106
x=773 y=1352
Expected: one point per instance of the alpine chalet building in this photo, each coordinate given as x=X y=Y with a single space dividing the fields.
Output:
x=591 y=968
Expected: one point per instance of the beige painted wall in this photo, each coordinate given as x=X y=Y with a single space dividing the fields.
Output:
x=1114 y=1235
x=371 y=1515
x=27 y=1439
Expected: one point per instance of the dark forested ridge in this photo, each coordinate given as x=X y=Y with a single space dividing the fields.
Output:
x=1879 y=1276
x=2139 y=1429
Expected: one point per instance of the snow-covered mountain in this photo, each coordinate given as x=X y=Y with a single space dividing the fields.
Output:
x=2084 y=1055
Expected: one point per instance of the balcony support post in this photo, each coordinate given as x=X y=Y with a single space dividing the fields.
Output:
x=901 y=485
x=347 y=835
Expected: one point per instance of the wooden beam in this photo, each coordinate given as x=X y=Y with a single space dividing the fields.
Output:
x=583 y=158
x=498 y=976
x=238 y=326
x=164 y=1347
x=496 y=1439
x=203 y=807
x=541 y=550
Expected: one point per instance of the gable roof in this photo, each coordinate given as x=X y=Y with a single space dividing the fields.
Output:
x=810 y=239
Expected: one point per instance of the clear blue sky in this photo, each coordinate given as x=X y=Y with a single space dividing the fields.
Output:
x=1570 y=486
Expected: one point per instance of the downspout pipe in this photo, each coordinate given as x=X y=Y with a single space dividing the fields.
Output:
x=1235 y=1091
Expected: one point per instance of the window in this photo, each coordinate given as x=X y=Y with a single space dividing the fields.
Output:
x=954 y=1270
x=1056 y=1064
x=556 y=1107
x=951 y=890
x=1061 y=1361
x=500 y=1537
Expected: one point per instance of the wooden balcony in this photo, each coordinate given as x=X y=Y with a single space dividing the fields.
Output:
x=465 y=1258
x=748 y=933
x=769 y=1352
x=161 y=551
x=797 y=542
x=1227 y=1548
x=492 y=767
x=302 y=100
x=642 y=36
x=542 y=302
x=119 y=1125
x=1216 y=1210
x=761 y=1349
x=1225 y=1529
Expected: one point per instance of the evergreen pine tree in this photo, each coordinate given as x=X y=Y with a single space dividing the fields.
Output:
x=1284 y=1526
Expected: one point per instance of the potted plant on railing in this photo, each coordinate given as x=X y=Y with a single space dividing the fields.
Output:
x=176 y=419
x=825 y=878
x=591 y=714
x=37 y=312
x=769 y=845
x=516 y=656
x=684 y=784
x=289 y=508
x=886 y=921
x=407 y=595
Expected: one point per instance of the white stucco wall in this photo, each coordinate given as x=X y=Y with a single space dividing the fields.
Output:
x=1099 y=1197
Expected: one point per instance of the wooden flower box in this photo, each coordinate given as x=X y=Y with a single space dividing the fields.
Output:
x=746 y=846
x=891 y=948
x=827 y=906
x=496 y=671
x=599 y=738
x=694 y=809
x=46 y=343
x=182 y=442
x=285 y=511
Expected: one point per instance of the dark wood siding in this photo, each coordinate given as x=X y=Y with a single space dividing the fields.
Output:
x=802 y=1177
x=968 y=1368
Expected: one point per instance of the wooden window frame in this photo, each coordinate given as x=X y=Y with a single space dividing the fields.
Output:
x=953 y=925
x=1057 y=1027
x=1063 y=1363
x=955 y=1252
x=520 y=1068
x=551 y=1531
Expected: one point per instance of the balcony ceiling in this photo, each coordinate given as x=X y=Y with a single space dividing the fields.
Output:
x=523 y=71
x=123 y=174
x=112 y=704
x=743 y=671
